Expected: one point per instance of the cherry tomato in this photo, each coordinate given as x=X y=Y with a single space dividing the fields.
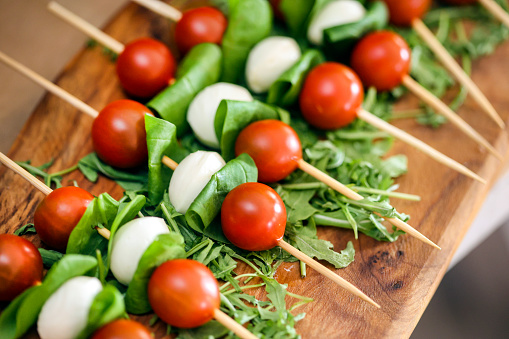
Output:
x=253 y=217
x=460 y=2
x=381 y=59
x=403 y=12
x=331 y=95
x=20 y=266
x=274 y=147
x=145 y=67
x=183 y=293
x=58 y=214
x=199 y=25
x=118 y=134
x=123 y=329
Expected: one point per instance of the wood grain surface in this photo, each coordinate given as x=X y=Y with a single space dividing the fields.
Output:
x=402 y=276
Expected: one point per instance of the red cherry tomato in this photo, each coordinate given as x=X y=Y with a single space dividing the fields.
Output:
x=403 y=12
x=145 y=67
x=20 y=266
x=123 y=329
x=58 y=214
x=253 y=217
x=199 y=25
x=460 y=2
x=118 y=134
x=331 y=95
x=183 y=293
x=381 y=59
x=274 y=147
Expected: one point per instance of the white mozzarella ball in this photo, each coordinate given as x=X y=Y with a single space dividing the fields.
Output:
x=129 y=244
x=334 y=14
x=191 y=176
x=202 y=111
x=65 y=313
x=269 y=59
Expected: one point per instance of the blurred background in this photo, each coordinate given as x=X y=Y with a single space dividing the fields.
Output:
x=473 y=298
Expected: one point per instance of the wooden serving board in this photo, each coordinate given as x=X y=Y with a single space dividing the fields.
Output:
x=402 y=276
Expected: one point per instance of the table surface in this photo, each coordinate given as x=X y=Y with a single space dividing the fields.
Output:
x=401 y=276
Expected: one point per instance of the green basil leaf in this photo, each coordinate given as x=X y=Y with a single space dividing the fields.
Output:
x=285 y=90
x=49 y=257
x=233 y=116
x=250 y=21
x=23 y=311
x=340 y=40
x=165 y=247
x=161 y=141
x=298 y=14
x=207 y=204
x=107 y=306
x=200 y=68
x=84 y=238
x=27 y=229
x=125 y=214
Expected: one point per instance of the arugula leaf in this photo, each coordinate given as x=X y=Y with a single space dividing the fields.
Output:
x=161 y=141
x=107 y=306
x=285 y=90
x=250 y=21
x=26 y=229
x=165 y=247
x=233 y=116
x=200 y=68
x=49 y=257
x=84 y=238
x=91 y=166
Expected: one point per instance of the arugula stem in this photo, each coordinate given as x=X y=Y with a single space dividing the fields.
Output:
x=302 y=265
x=172 y=222
x=243 y=288
x=237 y=278
x=407 y=114
x=257 y=270
x=196 y=248
x=65 y=171
x=300 y=297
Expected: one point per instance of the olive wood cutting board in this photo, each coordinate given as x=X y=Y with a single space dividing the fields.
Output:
x=402 y=276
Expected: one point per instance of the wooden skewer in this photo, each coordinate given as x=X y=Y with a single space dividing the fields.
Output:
x=336 y=185
x=48 y=85
x=161 y=8
x=446 y=111
x=414 y=142
x=456 y=70
x=170 y=163
x=497 y=11
x=86 y=27
x=232 y=325
x=39 y=185
x=326 y=272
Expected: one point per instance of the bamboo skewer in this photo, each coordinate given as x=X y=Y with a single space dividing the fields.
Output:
x=232 y=325
x=325 y=272
x=86 y=27
x=442 y=108
x=48 y=85
x=336 y=185
x=497 y=11
x=456 y=70
x=161 y=8
x=414 y=142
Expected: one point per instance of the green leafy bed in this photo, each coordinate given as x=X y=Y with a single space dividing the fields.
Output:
x=354 y=155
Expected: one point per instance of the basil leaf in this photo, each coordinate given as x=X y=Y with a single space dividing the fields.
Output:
x=91 y=166
x=49 y=257
x=207 y=204
x=285 y=90
x=298 y=14
x=200 y=68
x=27 y=229
x=125 y=214
x=23 y=311
x=84 y=238
x=161 y=140
x=107 y=306
x=165 y=247
x=233 y=116
x=340 y=40
x=250 y=21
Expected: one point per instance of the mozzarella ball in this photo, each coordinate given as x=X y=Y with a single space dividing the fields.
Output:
x=65 y=313
x=202 y=111
x=129 y=244
x=269 y=59
x=334 y=14
x=191 y=176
